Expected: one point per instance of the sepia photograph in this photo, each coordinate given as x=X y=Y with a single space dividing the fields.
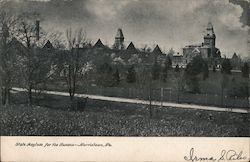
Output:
x=125 y=68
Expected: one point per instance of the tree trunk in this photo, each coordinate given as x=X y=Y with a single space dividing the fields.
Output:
x=3 y=96
x=30 y=95
x=71 y=96
x=222 y=96
x=7 y=99
x=150 y=100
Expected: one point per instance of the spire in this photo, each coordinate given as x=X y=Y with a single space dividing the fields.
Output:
x=210 y=29
x=119 y=34
x=119 y=40
x=209 y=26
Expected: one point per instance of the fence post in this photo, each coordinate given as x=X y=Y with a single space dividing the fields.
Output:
x=178 y=95
x=216 y=102
x=224 y=99
x=161 y=97
x=235 y=101
x=150 y=99
x=170 y=95
x=206 y=99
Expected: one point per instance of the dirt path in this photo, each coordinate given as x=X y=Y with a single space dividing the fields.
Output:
x=137 y=101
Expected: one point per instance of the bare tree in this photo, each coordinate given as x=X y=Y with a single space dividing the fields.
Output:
x=56 y=38
x=179 y=85
x=7 y=58
x=34 y=62
x=74 y=61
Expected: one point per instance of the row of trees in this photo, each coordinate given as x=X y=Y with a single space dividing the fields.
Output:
x=226 y=67
x=197 y=69
x=109 y=75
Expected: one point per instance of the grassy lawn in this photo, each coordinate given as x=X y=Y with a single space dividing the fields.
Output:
x=51 y=116
x=210 y=90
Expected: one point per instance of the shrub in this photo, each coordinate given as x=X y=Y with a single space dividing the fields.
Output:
x=245 y=70
x=155 y=71
x=177 y=68
x=196 y=67
x=106 y=76
x=226 y=66
x=116 y=77
x=131 y=75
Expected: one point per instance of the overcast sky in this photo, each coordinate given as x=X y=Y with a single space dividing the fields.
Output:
x=169 y=23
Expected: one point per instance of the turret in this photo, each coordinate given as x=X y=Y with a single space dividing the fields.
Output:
x=119 y=40
x=209 y=38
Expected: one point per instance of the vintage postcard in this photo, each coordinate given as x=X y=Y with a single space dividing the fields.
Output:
x=125 y=80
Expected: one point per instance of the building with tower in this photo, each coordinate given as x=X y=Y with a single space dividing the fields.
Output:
x=119 y=40
x=207 y=50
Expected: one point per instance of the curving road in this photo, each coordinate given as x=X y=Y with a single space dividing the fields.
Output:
x=137 y=101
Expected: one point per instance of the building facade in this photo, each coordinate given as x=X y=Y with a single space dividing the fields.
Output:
x=207 y=50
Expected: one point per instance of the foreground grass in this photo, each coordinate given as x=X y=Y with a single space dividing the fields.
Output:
x=102 y=118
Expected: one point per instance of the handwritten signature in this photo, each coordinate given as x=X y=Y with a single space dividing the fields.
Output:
x=226 y=155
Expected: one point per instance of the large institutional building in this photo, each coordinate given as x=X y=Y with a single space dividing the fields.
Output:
x=206 y=50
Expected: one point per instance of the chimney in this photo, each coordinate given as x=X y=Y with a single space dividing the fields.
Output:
x=37 y=29
x=5 y=30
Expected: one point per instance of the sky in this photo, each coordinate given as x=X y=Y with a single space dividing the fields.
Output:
x=168 y=23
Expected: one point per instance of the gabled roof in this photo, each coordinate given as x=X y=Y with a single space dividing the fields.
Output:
x=234 y=56
x=157 y=50
x=119 y=33
x=99 y=44
x=17 y=45
x=217 y=54
x=131 y=48
x=48 y=45
x=196 y=50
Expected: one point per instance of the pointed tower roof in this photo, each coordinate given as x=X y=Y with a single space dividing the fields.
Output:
x=210 y=30
x=119 y=33
x=131 y=48
x=48 y=45
x=99 y=44
x=157 y=50
x=209 y=25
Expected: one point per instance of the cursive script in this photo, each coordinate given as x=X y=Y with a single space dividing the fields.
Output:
x=230 y=155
